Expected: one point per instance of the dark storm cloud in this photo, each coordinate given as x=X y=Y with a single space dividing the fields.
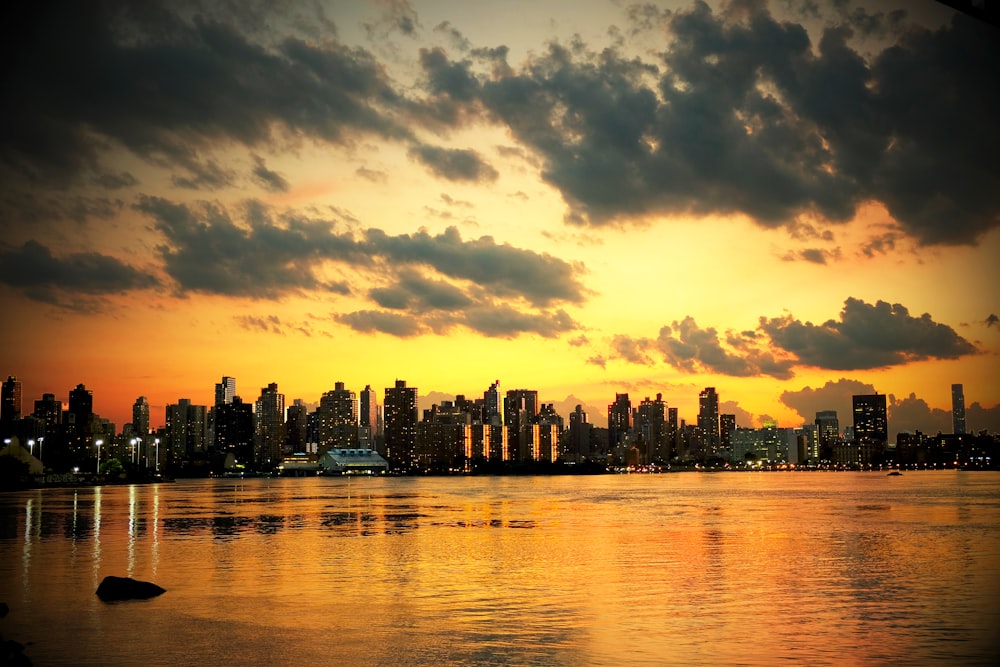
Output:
x=266 y=178
x=690 y=348
x=503 y=270
x=417 y=293
x=372 y=321
x=455 y=164
x=430 y=283
x=866 y=336
x=834 y=395
x=169 y=87
x=33 y=269
x=745 y=114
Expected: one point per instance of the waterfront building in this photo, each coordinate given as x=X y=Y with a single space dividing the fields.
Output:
x=727 y=422
x=871 y=429
x=295 y=428
x=650 y=425
x=234 y=430
x=269 y=426
x=578 y=446
x=708 y=421
x=185 y=430
x=10 y=404
x=491 y=405
x=619 y=423
x=519 y=406
x=957 y=409
x=338 y=419
x=400 y=416
x=48 y=409
x=827 y=432
x=140 y=417
x=369 y=420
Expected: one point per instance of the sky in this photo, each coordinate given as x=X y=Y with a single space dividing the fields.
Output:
x=791 y=201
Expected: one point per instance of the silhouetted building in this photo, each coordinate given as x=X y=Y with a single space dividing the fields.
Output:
x=269 y=426
x=871 y=428
x=140 y=416
x=186 y=431
x=49 y=410
x=708 y=421
x=400 y=418
x=727 y=423
x=10 y=404
x=578 y=445
x=519 y=406
x=619 y=422
x=491 y=405
x=225 y=391
x=369 y=420
x=338 y=419
x=234 y=430
x=957 y=409
x=651 y=430
x=295 y=428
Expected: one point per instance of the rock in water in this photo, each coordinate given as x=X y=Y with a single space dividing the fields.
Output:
x=113 y=589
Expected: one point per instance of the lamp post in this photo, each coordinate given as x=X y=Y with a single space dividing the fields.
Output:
x=157 y=465
x=31 y=446
x=98 y=443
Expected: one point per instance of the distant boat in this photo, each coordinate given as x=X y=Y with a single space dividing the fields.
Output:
x=894 y=473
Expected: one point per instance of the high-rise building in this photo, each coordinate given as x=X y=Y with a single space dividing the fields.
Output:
x=708 y=420
x=10 y=403
x=185 y=431
x=400 y=415
x=827 y=432
x=519 y=406
x=225 y=391
x=651 y=429
x=957 y=409
x=580 y=429
x=727 y=424
x=491 y=405
x=295 y=427
x=140 y=417
x=49 y=410
x=368 y=414
x=619 y=421
x=269 y=426
x=871 y=428
x=234 y=430
x=338 y=419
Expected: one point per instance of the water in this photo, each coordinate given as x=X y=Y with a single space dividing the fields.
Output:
x=685 y=569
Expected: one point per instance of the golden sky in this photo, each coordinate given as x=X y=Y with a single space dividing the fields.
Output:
x=789 y=201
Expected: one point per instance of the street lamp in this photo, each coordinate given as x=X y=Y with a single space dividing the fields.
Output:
x=98 y=443
x=156 y=468
x=31 y=447
x=40 y=440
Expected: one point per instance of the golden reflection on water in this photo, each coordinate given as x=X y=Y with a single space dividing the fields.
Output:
x=835 y=568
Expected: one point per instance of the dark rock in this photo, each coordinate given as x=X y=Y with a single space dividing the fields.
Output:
x=113 y=589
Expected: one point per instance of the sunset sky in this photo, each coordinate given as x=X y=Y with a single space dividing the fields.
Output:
x=791 y=201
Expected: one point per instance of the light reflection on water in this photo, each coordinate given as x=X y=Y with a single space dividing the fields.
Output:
x=754 y=569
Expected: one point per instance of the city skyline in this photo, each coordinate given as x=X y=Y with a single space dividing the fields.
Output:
x=789 y=202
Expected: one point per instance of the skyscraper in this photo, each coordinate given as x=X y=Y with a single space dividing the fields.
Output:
x=519 y=406
x=269 y=426
x=827 y=431
x=369 y=431
x=186 y=430
x=295 y=427
x=140 y=416
x=871 y=428
x=338 y=419
x=491 y=405
x=619 y=421
x=400 y=416
x=225 y=390
x=958 y=409
x=651 y=428
x=580 y=429
x=10 y=403
x=708 y=420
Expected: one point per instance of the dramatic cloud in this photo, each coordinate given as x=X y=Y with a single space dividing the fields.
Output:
x=912 y=414
x=33 y=269
x=454 y=164
x=371 y=321
x=834 y=395
x=269 y=180
x=866 y=336
x=744 y=114
x=688 y=347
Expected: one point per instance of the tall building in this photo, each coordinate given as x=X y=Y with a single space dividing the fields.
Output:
x=225 y=391
x=338 y=419
x=234 y=430
x=827 y=432
x=140 y=417
x=708 y=420
x=185 y=431
x=295 y=427
x=400 y=415
x=10 y=403
x=491 y=405
x=651 y=429
x=49 y=410
x=580 y=428
x=871 y=428
x=619 y=421
x=957 y=409
x=519 y=406
x=368 y=416
x=727 y=424
x=269 y=426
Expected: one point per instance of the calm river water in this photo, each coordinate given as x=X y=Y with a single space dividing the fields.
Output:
x=674 y=569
